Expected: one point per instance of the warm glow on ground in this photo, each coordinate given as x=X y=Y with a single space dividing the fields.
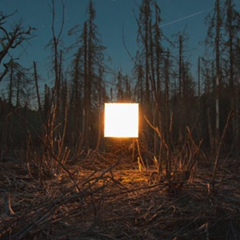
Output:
x=121 y=120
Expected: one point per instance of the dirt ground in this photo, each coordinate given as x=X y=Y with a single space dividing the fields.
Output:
x=104 y=198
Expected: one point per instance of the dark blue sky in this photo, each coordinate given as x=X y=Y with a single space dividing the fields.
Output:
x=112 y=15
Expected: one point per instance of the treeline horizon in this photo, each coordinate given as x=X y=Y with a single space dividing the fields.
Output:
x=176 y=107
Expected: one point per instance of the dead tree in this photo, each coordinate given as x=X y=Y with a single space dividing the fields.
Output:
x=215 y=40
x=37 y=87
x=11 y=39
x=232 y=30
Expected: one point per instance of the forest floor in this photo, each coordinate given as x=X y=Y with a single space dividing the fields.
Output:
x=103 y=197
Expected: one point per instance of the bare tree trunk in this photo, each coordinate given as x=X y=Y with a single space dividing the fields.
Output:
x=37 y=87
x=218 y=80
x=168 y=118
x=199 y=77
x=180 y=65
x=217 y=127
x=147 y=72
x=10 y=94
x=18 y=90
x=210 y=131
x=100 y=114
x=155 y=94
x=232 y=85
x=86 y=90
x=180 y=98
x=57 y=61
x=167 y=99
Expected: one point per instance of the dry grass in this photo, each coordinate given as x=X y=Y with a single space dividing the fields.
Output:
x=106 y=198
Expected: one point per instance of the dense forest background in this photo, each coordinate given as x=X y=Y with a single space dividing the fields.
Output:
x=177 y=109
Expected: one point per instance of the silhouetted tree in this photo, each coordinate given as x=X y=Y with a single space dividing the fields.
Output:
x=88 y=77
x=215 y=41
x=11 y=39
x=232 y=28
x=221 y=42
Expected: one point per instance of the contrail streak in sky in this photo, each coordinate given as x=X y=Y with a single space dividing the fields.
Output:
x=183 y=18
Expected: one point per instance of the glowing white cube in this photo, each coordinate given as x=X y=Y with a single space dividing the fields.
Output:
x=121 y=120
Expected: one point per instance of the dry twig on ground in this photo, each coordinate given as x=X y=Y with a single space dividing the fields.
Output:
x=113 y=203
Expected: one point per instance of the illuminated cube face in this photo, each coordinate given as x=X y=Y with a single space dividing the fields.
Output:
x=121 y=120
